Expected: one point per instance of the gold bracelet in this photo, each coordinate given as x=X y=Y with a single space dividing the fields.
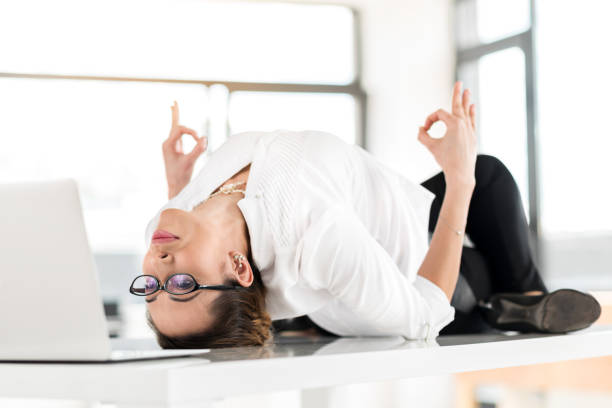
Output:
x=458 y=232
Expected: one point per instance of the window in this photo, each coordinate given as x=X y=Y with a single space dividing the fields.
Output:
x=299 y=111
x=107 y=135
x=86 y=89
x=494 y=60
x=184 y=39
x=575 y=140
x=487 y=21
x=574 y=89
x=564 y=170
x=502 y=119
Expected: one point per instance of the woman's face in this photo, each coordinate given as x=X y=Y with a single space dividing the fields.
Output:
x=199 y=250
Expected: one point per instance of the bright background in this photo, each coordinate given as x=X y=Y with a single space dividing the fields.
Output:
x=400 y=53
x=107 y=134
x=572 y=142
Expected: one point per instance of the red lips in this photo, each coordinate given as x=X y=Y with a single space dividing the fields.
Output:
x=161 y=237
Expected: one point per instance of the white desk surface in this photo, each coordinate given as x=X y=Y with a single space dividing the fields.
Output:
x=291 y=363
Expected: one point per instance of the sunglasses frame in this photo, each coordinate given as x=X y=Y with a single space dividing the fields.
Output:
x=196 y=287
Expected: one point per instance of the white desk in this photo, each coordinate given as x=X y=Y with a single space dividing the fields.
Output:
x=296 y=363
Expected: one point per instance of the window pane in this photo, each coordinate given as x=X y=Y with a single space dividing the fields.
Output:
x=106 y=135
x=574 y=94
x=501 y=18
x=334 y=113
x=485 y=21
x=500 y=109
x=574 y=88
x=241 y=41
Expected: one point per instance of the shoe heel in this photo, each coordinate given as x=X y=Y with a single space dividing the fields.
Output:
x=515 y=313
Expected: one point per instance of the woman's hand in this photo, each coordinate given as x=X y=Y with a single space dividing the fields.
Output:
x=179 y=165
x=456 y=151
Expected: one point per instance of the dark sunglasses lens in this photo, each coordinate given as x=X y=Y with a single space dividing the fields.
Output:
x=180 y=284
x=144 y=285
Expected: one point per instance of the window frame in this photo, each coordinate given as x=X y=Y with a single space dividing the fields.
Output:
x=354 y=88
x=526 y=42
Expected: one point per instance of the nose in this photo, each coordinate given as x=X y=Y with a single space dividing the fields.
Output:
x=163 y=257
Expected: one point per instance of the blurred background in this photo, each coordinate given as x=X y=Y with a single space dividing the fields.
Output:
x=86 y=89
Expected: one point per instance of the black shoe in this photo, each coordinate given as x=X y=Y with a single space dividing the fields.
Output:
x=560 y=311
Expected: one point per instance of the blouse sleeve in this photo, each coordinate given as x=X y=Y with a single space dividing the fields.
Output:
x=340 y=255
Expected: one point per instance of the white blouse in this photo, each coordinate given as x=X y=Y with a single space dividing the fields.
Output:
x=335 y=234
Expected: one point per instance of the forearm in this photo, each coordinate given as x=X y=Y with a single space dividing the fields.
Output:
x=173 y=190
x=442 y=261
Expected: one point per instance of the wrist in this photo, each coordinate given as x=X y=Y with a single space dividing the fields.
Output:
x=173 y=190
x=457 y=199
x=460 y=180
x=460 y=187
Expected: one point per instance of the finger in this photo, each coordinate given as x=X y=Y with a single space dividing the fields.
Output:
x=440 y=114
x=179 y=131
x=466 y=102
x=457 y=110
x=188 y=131
x=198 y=149
x=473 y=115
x=175 y=114
x=425 y=139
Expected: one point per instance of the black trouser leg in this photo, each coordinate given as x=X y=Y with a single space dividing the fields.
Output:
x=502 y=260
x=497 y=226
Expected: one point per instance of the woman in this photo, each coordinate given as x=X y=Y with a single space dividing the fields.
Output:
x=286 y=224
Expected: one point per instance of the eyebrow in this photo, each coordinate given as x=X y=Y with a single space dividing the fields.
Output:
x=176 y=299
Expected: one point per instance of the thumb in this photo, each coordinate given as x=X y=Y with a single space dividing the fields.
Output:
x=428 y=141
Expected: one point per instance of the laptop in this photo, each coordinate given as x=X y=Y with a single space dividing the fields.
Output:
x=50 y=304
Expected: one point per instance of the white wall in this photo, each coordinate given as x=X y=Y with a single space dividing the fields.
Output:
x=408 y=72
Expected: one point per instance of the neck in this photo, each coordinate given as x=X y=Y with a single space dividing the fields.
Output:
x=222 y=215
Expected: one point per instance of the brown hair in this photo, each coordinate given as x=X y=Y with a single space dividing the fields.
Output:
x=240 y=320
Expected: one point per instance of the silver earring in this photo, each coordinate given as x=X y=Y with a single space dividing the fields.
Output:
x=239 y=258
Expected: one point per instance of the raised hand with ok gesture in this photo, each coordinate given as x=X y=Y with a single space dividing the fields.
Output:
x=456 y=151
x=179 y=165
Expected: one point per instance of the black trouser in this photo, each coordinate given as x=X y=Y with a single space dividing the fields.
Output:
x=501 y=260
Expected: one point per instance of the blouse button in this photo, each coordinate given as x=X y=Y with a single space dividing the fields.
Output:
x=257 y=195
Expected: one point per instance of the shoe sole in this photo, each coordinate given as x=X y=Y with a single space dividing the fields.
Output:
x=561 y=311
